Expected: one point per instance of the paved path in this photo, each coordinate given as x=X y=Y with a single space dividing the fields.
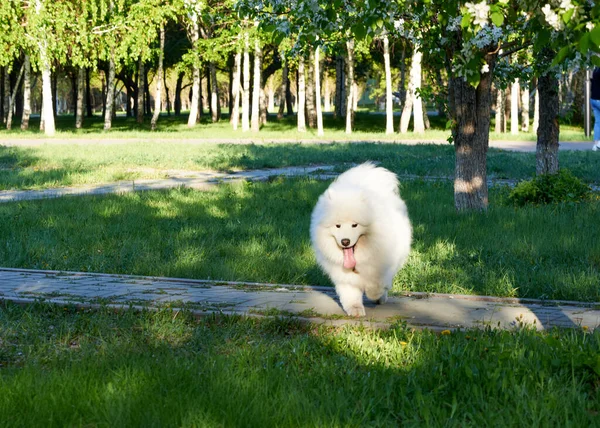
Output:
x=518 y=146
x=201 y=180
x=315 y=304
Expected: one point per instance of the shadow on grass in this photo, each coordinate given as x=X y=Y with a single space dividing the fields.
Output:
x=157 y=369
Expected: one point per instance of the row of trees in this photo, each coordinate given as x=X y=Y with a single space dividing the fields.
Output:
x=466 y=46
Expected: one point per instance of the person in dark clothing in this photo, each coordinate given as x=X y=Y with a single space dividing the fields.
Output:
x=595 y=102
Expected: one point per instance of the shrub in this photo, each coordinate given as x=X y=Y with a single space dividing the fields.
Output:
x=550 y=189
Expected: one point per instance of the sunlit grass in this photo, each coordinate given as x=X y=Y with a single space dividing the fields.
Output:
x=68 y=367
x=368 y=126
x=259 y=232
x=78 y=164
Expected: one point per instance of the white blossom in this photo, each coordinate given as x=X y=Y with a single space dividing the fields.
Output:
x=552 y=18
x=485 y=68
x=480 y=12
x=566 y=5
x=589 y=26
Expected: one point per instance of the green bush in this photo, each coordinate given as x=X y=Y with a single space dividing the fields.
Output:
x=550 y=189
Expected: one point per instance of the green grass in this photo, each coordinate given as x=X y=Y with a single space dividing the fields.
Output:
x=367 y=126
x=259 y=232
x=77 y=164
x=67 y=367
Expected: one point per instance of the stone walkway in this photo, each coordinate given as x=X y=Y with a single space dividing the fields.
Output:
x=310 y=303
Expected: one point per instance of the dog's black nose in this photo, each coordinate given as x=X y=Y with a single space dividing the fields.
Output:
x=345 y=242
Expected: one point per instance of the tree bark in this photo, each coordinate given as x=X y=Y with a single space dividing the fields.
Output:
x=415 y=77
x=318 y=91
x=159 y=80
x=525 y=109
x=140 y=94
x=350 y=86
x=80 y=96
x=178 y=88
x=12 y=97
x=270 y=95
x=536 y=108
x=88 y=94
x=235 y=89
x=499 y=125
x=282 y=91
x=214 y=93
x=326 y=92
x=47 y=118
x=288 y=93
x=167 y=97
x=26 y=94
x=389 y=102
x=3 y=99
x=255 y=121
x=339 y=87
x=194 y=35
x=470 y=110
x=311 y=112
x=548 y=130
x=246 y=94
x=301 y=96
x=514 y=107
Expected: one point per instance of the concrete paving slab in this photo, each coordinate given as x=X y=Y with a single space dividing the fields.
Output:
x=315 y=304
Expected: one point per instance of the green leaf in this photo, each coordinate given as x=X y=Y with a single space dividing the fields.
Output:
x=584 y=43
x=466 y=20
x=561 y=55
x=595 y=35
x=542 y=40
x=567 y=15
x=497 y=18
x=596 y=60
x=359 y=31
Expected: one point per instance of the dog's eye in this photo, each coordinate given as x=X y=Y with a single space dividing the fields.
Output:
x=338 y=225
x=354 y=225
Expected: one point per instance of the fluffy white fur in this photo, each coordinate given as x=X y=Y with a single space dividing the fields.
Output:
x=362 y=210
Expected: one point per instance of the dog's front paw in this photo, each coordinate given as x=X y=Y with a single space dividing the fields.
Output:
x=357 y=310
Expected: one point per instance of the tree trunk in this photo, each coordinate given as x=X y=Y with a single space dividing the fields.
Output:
x=282 y=91
x=415 y=77
x=470 y=110
x=350 y=86
x=301 y=96
x=525 y=109
x=235 y=89
x=246 y=94
x=140 y=94
x=26 y=94
x=110 y=94
x=311 y=112
x=326 y=92
x=270 y=94
x=339 y=87
x=88 y=94
x=80 y=96
x=514 y=107
x=536 y=108
x=167 y=97
x=255 y=122
x=406 y=110
x=159 y=80
x=47 y=118
x=194 y=35
x=318 y=92
x=548 y=130
x=178 y=86
x=263 y=111
x=499 y=125
x=288 y=93
x=13 y=96
x=214 y=93
x=389 y=102
x=3 y=104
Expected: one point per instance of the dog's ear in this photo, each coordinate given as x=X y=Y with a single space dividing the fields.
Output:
x=330 y=193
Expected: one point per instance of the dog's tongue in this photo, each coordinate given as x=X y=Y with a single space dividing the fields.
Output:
x=349 y=260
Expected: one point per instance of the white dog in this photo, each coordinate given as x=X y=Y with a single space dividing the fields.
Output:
x=361 y=234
